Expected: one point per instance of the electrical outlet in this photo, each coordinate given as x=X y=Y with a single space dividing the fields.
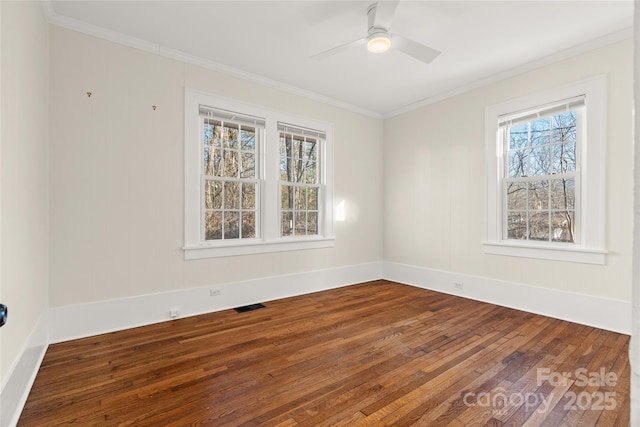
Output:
x=215 y=292
x=458 y=285
x=173 y=313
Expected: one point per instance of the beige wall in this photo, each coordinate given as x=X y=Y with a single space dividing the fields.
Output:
x=117 y=178
x=434 y=172
x=117 y=175
x=24 y=210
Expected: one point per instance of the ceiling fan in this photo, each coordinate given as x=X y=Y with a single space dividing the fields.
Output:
x=379 y=37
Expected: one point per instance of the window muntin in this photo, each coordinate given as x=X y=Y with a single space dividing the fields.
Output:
x=232 y=181
x=230 y=188
x=589 y=98
x=541 y=183
x=300 y=181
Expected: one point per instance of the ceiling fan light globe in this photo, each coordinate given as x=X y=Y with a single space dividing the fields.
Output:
x=379 y=43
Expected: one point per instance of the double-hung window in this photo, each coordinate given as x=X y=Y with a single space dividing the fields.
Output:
x=230 y=186
x=300 y=189
x=256 y=180
x=541 y=183
x=545 y=174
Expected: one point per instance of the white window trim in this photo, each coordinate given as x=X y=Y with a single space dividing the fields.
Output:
x=591 y=247
x=270 y=241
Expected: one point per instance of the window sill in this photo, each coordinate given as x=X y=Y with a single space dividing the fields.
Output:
x=236 y=248
x=545 y=251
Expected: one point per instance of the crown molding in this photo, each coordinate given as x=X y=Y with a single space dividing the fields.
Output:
x=144 y=45
x=221 y=68
x=95 y=31
x=113 y=36
x=530 y=66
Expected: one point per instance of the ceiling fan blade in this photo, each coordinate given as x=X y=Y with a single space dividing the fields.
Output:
x=416 y=50
x=339 y=49
x=384 y=13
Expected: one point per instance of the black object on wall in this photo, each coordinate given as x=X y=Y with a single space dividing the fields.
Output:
x=4 y=313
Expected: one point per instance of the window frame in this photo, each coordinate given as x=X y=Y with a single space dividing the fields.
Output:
x=504 y=134
x=285 y=128
x=590 y=246
x=241 y=122
x=267 y=165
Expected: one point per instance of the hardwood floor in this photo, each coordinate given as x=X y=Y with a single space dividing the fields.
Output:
x=373 y=354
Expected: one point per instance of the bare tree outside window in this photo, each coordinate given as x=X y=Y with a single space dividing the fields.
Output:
x=229 y=180
x=300 y=184
x=540 y=182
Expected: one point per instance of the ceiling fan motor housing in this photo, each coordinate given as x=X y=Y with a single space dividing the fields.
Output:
x=378 y=39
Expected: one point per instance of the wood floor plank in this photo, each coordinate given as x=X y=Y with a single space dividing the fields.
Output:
x=373 y=354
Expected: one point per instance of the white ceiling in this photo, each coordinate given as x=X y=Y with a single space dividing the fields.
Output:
x=271 y=41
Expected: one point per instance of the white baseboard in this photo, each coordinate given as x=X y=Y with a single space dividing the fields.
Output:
x=22 y=375
x=610 y=314
x=78 y=321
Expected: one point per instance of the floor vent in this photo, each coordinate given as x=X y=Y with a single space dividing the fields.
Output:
x=251 y=307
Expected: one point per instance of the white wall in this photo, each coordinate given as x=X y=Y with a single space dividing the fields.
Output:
x=634 y=345
x=435 y=182
x=117 y=175
x=24 y=175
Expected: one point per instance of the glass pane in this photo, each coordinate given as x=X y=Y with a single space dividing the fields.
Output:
x=564 y=127
x=232 y=195
x=213 y=225
x=517 y=225
x=283 y=169
x=301 y=223
x=299 y=170
x=518 y=163
x=289 y=170
x=207 y=141
x=539 y=161
x=214 y=167
x=540 y=131
x=563 y=226
x=310 y=150
x=310 y=173
x=295 y=166
x=230 y=164
x=298 y=148
x=248 y=139
x=563 y=193
x=312 y=198
x=248 y=165
x=286 y=144
x=230 y=135
x=207 y=133
x=212 y=194
x=248 y=225
x=312 y=223
x=564 y=157
x=231 y=225
x=518 y=136
x=517 y=195
x=287 y=197
x=248 y=196
x=539 y=226
x=539 y=195
x=217 y=134
x=300 y=198
x=212 y=128
x=287 y=223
